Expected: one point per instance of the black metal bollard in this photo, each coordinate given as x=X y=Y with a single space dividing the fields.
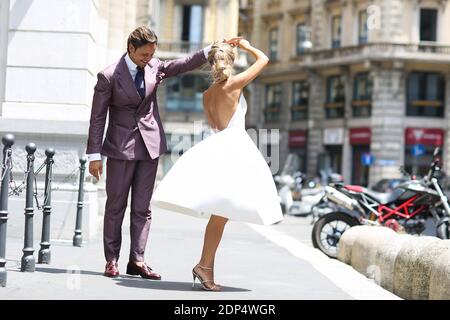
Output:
x=8 y=141
x=28 y=262
x=78 y=236
x=44 y=253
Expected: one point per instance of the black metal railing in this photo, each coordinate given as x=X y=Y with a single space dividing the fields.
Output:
x=10 y=188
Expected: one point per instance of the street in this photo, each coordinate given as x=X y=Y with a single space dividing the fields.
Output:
x=253 y=262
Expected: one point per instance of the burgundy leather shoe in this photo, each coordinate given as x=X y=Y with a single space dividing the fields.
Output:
x=145 y=271
x=111 y=269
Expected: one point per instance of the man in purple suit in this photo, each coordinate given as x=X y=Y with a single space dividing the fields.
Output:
x=134 y=141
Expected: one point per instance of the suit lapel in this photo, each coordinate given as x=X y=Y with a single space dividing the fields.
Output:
x=127 y=82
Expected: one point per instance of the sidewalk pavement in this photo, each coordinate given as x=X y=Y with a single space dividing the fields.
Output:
x=253 y=262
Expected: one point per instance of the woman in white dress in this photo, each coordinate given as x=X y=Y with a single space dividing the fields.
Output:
x=224 y=176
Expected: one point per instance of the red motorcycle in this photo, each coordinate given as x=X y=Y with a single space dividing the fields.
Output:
x=406 y=208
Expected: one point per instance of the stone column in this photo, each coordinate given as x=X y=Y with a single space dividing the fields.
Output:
x=347 y=165
x=315 y=122
x=4 y=20
x=446 y=150
x=60 y=75
x=50 y=59
x=388 y=113
x=319 y=24
x=122 y=20
x=154 y=15
x=257 y=105
x=284 y=122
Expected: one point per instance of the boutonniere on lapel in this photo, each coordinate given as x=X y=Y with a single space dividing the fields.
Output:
x=159 y=77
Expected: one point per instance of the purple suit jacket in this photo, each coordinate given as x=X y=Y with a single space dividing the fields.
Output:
x=135 y=131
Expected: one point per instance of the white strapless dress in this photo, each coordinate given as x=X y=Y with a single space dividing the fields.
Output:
x=224 y=175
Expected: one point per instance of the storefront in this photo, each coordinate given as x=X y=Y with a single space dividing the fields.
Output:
x=297 y=145
x=331 y=159
x=419 y=146
x=360 y=139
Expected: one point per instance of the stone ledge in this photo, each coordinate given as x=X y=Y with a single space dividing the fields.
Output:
x=411 y=267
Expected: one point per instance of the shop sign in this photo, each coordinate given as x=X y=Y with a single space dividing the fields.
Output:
x=297 y=139
x=360 y=136
x=333 y=136
x=427 y=137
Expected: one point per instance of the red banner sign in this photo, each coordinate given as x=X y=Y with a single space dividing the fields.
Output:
x=297 y=139
x=428 y=137
x=360 y=136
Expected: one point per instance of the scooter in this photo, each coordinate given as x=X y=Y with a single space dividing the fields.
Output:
x=288 y=188
x=310 y=197
x=298 y=200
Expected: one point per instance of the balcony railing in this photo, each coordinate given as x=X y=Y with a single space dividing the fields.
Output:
x=181 y=47
x=376 y=51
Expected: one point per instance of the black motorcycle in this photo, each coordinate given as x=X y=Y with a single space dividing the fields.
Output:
x=406 y=208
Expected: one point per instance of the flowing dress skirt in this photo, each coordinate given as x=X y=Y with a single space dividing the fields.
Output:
x=224 y=175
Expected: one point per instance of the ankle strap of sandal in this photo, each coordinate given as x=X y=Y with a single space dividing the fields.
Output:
x=200 y=266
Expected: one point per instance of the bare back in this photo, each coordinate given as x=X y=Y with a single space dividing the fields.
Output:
x=220 y=102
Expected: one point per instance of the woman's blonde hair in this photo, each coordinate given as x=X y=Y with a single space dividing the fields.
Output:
x=221 y=58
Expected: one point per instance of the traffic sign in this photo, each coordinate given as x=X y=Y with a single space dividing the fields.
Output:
x=367 y=159
x=418 y=150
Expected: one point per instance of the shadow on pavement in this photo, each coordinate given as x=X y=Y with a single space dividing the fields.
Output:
x=56 y=271
x=166 y=285
x=138 y=282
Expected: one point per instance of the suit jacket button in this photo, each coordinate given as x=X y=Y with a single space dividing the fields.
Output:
x=153 y=122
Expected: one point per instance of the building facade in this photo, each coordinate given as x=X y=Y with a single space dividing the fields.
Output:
x=356 y=86
x=185 y=26
x=50 y=54
x=52 y=50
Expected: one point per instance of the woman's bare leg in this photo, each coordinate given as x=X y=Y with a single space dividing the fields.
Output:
x=213 y=235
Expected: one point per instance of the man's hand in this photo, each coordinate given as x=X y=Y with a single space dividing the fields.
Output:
x=96 y=168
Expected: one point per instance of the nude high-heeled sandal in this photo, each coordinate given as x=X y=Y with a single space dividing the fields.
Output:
x=195 y=275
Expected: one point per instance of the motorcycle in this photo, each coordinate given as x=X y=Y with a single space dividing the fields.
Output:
x=406 y=209
x=310 y=197
x=323 y=206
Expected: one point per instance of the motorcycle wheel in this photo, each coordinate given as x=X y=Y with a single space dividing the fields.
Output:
x=328 y=230
x=443 y=231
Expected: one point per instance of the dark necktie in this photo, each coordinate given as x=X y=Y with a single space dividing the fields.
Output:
x=139 y=82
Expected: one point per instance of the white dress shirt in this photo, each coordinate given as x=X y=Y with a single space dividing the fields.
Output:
x=133 y=71
x=131 y=66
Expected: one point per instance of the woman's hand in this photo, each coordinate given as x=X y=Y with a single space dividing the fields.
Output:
x=233 y=41
x=238 y=42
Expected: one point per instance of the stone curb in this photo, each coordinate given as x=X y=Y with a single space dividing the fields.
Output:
x=411 y=267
